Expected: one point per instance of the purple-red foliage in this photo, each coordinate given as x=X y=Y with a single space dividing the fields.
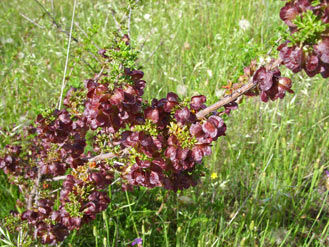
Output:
x=313 y=58
x=156 y=144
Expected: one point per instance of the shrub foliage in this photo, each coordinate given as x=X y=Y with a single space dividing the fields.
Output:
x=107 y=133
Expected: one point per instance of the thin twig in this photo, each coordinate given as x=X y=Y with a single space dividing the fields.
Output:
x=85 y=34
x=47 y=12
x=271 y=49
x=162 y=204
x=75 y=39
x=312 y=173
x=108 y=155
x=106 y=21
x=58 y=178
x=67 y=56
x=118 y=163
x=29 y=201
x=95 y=159
x=116 y=22
x=146 y=38
x=52 y=6
x=153 y=52
x=115 y=181
x=236 y=94
x=36 y=199
x=23 y=191
x=30 y=20
x=102 y=157
x=58 y=26
x=100 y=73
x=228 y=99
x=129 y=17
x=34 y=190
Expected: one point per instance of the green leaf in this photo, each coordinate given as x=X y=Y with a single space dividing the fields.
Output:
x=199 y=220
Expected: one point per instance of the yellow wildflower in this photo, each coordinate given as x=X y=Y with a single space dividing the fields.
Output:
x=214 y=175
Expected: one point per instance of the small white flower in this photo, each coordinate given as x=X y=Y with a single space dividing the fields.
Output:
x=140 y=38
x=147 y=17
x=218 y=37
x=187 y=46
x=22 y=118
x=279 y=235
x=268 y=59
x=59 y=54
x=173 y=79
x=8 y=41
x=223 y=184
x=219 y=93
x=21 y=55
x=181 y=89
x=185 y=200
x=209 y=71
x=261 y=60
x=244 y=24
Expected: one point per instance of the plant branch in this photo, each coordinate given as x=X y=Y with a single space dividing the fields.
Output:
x=67 y=56
x=85 y=34
x=129 y=19
x=226 y=100
x=116 y=22
x=34 y=191
x=94 y=159
x=236 y=94
x=108 y=156
x=58 y=26
x=102 y=157
x=156 y=48
x=58 y=178
x=30 y=20
x=100 y=73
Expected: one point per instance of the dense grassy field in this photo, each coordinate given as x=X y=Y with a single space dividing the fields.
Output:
x=266 y=181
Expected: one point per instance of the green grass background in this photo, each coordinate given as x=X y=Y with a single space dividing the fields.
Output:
x=270 y=186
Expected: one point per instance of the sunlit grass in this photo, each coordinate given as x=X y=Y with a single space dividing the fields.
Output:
x=269 y=189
